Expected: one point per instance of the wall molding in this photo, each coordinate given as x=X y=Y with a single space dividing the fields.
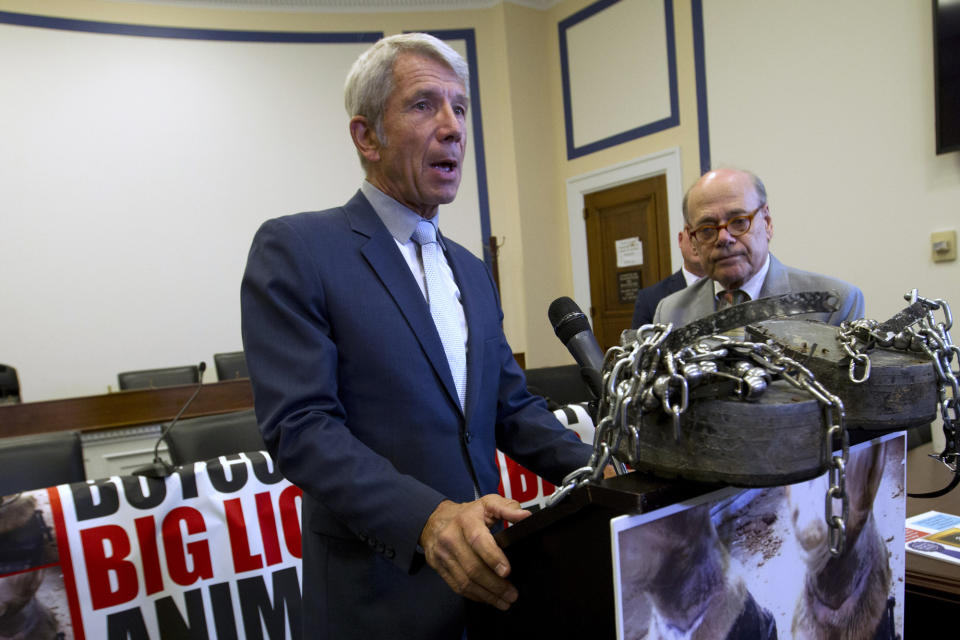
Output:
x=640 y=131
x=666 y=162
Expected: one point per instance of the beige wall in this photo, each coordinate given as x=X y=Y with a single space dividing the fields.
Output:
x=832 y=103
x=552 y=275
x=499 y=143
x=849 y=160
x=542 y=242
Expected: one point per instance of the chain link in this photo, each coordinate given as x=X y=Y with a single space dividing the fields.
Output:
x=642 y=372
x=926 y=335
x=933 y=338
x=856 y=349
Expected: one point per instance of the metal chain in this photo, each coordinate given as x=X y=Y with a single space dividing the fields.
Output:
x=643 y=372
x=856 y=349
x=774 y=360
x=626 y=373
x=933 y=338
x=927 y=335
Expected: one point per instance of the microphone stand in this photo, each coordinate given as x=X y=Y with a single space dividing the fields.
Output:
x=160 y=468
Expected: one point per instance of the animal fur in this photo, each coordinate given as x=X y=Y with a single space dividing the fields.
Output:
x=844 y=596
x=22 y=617
x=683 y=570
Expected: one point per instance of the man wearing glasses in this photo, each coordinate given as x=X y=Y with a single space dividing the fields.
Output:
x=729 y=223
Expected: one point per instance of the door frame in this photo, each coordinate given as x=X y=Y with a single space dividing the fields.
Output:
x=666 y=162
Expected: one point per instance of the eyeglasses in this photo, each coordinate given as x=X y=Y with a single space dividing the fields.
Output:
x=735 y=226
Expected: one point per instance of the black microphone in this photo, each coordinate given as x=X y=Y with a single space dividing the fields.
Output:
x=573 y=329
x=160 y=468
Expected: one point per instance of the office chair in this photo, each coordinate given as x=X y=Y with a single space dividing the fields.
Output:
x=207 y=437
x=559 y=385
x=230 y=365
x=38 y=461
x=9 y=385
x=151 y=378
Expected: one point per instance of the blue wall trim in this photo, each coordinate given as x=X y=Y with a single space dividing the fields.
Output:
x=700 y=68
x=469 y=37
x=672 y=120
x=119 y=28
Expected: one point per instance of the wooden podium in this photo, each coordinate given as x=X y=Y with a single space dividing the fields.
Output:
x=561 y=561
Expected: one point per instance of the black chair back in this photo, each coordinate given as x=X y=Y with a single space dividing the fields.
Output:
x=38 y=461
x=559 y=385
x=9 y=385
x=152 y=378
x=230 y=366
x=208 y=437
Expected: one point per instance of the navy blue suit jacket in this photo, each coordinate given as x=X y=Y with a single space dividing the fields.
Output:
x=357 y=404
x=649 y=297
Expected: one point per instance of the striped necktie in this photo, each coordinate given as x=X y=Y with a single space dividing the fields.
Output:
x=731 y=297
x=442 y=306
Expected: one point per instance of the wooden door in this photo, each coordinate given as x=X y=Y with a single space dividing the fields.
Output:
x=628 y=248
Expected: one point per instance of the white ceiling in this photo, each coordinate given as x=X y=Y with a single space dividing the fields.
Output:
x=349 y=6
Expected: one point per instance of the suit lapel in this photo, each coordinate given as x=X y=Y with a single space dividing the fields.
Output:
x=705 y=301
x=777 y=281
x=384 y=258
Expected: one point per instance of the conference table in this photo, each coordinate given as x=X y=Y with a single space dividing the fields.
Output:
x=124 y=408
x=118 y=430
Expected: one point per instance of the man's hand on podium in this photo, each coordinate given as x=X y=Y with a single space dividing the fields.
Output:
x=458 y=544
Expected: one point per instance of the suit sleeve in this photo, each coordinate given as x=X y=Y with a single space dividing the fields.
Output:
x=648 y=298
x=658 y=312
x=851 y=307
x=526 y=430
x=293 y=362
x=642 y=310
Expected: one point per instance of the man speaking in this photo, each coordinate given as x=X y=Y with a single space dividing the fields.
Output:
x=381 y=375
x=728 y=219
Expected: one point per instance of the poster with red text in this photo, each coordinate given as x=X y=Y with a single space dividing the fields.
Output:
x=212 y=551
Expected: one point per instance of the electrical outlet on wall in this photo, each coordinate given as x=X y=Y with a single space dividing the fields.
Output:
x=943 y=245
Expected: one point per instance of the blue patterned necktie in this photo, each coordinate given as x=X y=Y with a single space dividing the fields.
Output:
x=442 y=306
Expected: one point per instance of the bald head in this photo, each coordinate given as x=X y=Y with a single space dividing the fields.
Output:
x=715 y=199
x=717 y=174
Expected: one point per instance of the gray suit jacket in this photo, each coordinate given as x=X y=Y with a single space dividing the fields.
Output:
x=698 y=300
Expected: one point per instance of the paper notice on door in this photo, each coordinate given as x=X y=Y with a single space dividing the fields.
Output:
x=629 y=252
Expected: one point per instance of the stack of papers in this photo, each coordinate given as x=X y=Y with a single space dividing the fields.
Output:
x=934 y=534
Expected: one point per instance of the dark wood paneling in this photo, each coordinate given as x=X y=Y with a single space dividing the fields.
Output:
x=124 y=408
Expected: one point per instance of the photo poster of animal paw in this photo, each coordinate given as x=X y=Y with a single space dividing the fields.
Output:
x=934 y=534
x=756 y=563
x=33 y=600
x=213 y=551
